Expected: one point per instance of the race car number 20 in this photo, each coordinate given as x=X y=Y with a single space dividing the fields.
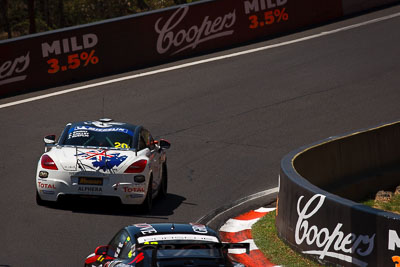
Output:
x=121 y=145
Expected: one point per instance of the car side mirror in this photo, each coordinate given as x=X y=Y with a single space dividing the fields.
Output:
x=49 y=139
x=164 y=144
x=101 y=250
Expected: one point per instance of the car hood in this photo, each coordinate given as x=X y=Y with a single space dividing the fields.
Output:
x=91 y=159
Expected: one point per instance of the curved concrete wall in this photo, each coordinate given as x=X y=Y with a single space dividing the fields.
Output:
x=316 y=214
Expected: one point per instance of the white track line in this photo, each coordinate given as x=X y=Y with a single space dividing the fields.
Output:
x=262 y=210
x=247 y=199
x=253 y=246
x=186 y=65
x=234 y=225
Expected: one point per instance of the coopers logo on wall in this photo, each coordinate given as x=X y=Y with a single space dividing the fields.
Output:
x=12 y=70
x=336 y=243
x=170 y=36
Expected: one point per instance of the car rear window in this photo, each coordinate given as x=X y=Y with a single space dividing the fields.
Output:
x=117 y=137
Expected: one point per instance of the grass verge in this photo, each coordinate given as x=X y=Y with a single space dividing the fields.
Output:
x=392 y=205
x=266 y=238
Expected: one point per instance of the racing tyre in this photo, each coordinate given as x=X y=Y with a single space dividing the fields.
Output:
x=148 y=201
x=164 y=181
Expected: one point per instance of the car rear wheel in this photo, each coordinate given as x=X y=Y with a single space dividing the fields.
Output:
x=164 y=181
x=148 y=201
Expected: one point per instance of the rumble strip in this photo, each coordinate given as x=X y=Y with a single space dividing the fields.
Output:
x=238 y=230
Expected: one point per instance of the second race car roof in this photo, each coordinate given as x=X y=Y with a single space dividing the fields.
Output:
x=145 y=229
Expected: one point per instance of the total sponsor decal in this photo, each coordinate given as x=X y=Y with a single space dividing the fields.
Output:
x=138 y=192
x=265 y=12
x=173 y=37
x=336 y=243
x=133 y=189
x=68 y=45
x=45 y=185
x=12 y=70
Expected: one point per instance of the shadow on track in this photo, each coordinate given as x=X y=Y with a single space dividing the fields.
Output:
x=161 y=207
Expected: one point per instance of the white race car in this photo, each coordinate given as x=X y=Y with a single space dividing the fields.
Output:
x=103 y=159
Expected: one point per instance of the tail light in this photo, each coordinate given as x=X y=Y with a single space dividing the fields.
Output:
x=137 y=166
x=48 y=163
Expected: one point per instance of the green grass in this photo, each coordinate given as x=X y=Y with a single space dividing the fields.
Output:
x=393 y=205
x=266 y=238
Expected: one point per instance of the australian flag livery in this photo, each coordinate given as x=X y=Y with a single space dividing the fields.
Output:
x=100 y=159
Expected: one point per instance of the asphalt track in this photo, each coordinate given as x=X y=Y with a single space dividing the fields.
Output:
x=229 y=121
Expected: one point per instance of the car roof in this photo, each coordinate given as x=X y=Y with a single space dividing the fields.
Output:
x=145 y=229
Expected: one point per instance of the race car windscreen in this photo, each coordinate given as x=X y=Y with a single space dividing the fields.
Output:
x=116 y=137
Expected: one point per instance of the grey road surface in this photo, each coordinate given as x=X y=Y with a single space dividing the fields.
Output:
x=229 y=121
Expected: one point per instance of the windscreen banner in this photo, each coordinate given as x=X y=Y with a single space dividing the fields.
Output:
x=127 y=43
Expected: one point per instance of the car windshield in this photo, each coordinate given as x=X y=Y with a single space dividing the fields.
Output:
x=99 y=137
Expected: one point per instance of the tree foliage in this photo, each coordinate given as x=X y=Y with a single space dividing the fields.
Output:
x=20 y=17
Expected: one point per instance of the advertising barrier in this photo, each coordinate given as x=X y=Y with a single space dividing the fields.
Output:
x=78 y=53
x=332 y=229
x=83 y=52
x=116 y=45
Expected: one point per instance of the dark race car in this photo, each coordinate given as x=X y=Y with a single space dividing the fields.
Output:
x=165 y=244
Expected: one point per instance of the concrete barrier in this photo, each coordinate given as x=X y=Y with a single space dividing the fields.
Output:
x=319 y=184
x=112 y=46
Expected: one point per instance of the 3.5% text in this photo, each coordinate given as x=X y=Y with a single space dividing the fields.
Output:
x=74 y=61
x=270 y=17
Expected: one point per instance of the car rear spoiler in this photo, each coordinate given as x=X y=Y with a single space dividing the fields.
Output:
x=210 y=245
x=223 y=246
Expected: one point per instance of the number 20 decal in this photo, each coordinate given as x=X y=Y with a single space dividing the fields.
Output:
x=121 y=145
